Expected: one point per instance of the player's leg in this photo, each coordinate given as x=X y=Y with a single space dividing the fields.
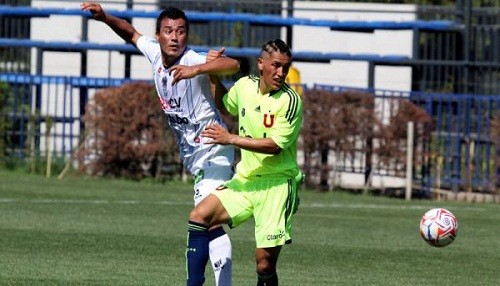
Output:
x=196 y=253
x=220 y=253
x=202 y=244
x=224 y=206
x=220 y=249
x=266 y=260
x=273 y=217
x=208 y=212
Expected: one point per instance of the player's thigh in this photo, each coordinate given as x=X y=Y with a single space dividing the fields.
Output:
x=273 y=214
x=209 y=180
x=209 y=211
x=237 y=203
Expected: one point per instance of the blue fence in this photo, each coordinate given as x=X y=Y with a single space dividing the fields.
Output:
x=462 y=149
x=45 y=111
x=463 y=145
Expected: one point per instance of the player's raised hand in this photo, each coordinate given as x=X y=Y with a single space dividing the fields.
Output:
x=214 y=54
x=95 y=9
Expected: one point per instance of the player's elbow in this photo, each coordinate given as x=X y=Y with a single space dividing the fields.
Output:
x=275 y=150
x=232 y=66
x=236 y=66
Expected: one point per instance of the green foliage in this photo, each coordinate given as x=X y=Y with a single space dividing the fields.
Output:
x=10 y=127
x=40 y=166
x=3 y=121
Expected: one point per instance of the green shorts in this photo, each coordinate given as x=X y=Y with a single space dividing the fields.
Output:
x=271 y=202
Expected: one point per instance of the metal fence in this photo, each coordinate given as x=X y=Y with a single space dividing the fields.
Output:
x=44 y=112
x=456 y=79
x=461 y=152
x=460 y=61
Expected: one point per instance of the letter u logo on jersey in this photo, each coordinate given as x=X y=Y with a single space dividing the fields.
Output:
x=268 y=123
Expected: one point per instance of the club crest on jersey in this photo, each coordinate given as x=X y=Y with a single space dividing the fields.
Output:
x=268 y=120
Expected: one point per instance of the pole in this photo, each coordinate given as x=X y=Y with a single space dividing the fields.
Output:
x=289 y=29
x=409 y=161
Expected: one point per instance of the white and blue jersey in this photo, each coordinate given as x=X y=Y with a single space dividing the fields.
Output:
x=189 y=107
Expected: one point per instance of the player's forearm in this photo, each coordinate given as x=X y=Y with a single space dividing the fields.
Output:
x=261 y=145
x=220 y=66
x=122 y=28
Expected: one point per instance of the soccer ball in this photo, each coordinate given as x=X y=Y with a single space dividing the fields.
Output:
x=438 y=227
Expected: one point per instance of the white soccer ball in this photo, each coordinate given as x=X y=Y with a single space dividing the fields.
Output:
x=438 y=227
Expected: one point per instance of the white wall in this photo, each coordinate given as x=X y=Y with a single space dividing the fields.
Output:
x=100 y=63
x=353 y=73
x=345 y=73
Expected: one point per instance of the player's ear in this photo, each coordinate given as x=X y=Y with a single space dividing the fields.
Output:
x=260 y=64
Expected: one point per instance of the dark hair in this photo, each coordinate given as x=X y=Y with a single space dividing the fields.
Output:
x=277 y=45
x=171 y=13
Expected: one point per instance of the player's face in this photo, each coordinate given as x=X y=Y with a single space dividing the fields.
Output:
x=273 y=68
x=172 y=38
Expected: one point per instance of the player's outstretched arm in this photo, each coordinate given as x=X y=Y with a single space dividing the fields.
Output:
x=120 y=26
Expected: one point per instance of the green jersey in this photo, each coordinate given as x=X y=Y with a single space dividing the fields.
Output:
x=276 y=115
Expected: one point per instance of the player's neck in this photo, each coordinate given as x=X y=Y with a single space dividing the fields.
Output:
x=169 y=61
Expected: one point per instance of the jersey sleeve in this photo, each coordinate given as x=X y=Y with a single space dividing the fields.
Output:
x=286 y=129
x=149 y=47
x=195 y=58
x=230 y=99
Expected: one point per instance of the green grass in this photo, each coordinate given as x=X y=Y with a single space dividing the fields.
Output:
x=85 y=231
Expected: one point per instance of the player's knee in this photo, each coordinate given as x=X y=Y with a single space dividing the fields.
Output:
x=265 y=266
x=197 y=215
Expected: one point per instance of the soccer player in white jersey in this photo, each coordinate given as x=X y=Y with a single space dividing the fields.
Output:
x=182 y=82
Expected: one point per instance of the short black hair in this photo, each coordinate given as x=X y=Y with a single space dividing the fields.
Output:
x=277 y=45
x=171 y=13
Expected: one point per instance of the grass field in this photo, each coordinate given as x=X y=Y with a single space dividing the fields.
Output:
x=84 y=231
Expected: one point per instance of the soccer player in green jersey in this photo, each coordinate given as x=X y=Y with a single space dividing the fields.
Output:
x=267 y=178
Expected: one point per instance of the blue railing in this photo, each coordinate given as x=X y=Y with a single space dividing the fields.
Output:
x=230 y=51
x=259 y=19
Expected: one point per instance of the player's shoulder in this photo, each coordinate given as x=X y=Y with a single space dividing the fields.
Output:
x=290 y=101
x=287 y=93
x=246 y=81
x=286 y=88
x=193 y=57
x=147 y=40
